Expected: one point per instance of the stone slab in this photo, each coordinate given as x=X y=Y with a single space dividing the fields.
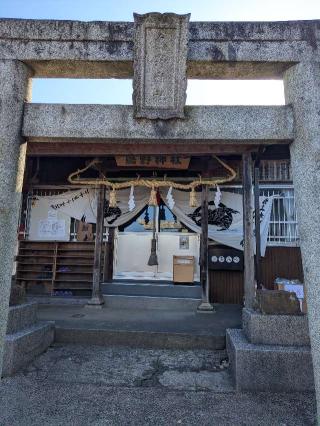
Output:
x=117 y=301
x=153 y=289
x=268 y=368
x=105 y=49
x=137 y=339
x=160 y=56
x=284 y=330
x=21 y=317
x=230 y=124
x=277 y=302
x=22 y=347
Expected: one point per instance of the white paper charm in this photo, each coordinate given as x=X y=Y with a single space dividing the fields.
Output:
x=170 y=199
x=217 y=197
x=131 y=202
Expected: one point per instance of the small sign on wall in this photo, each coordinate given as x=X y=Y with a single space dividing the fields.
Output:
x=225 y=258
x=49 y=229
x=184 y=242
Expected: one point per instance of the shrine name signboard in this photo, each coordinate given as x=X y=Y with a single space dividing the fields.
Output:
x=153 y=161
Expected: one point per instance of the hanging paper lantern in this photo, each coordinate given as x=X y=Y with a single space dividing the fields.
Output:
x=113 y=198
x=217 y=197
x=153 y=198
x=193 y=199
x=131 y=202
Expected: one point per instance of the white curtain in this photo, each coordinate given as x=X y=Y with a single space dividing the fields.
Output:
x=117 y=216
x=226 y=222
x=82 y=205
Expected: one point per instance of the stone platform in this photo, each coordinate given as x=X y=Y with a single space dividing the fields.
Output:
x=146 y=328
x=271 y=353
x=26 y=337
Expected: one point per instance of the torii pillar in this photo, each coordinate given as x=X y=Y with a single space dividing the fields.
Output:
x=302 y=91
x=14 y=90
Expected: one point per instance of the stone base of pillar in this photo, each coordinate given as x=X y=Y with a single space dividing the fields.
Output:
x=206 y=307
x=95 y=302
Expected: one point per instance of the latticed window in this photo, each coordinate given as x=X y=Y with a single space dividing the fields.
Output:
x=275 y=170
x=283 y=228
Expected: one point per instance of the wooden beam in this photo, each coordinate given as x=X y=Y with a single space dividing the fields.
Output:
x=96 y=298
x=248 y=237
x=87 y=149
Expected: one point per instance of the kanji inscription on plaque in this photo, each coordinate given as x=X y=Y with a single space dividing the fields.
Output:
x=160 y=54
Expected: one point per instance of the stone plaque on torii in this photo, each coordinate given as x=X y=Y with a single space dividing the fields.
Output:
x=160 y=61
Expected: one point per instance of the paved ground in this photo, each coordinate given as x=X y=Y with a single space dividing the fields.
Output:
x=157 y=320
x=78 y=385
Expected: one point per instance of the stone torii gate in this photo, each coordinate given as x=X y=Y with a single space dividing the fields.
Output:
x=174 y=51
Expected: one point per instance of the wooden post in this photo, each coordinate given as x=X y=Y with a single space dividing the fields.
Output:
x=204 y=275
x=108 y=256
x=96 y=298
x=257 y=224
x=248 y=236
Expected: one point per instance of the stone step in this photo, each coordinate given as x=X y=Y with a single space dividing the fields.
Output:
x=23 y=346
x=268 y=368
x=21 y=317
x=137 y=339
x=152 y=289
x=150 y=302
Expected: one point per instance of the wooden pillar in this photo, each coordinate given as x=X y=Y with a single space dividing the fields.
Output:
x=257 y=224
x=96 y=298
x=108 y=256
x=204 y=274
x=248 y=236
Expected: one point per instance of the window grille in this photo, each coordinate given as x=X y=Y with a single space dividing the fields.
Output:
x=283 y=228
x=275 y=170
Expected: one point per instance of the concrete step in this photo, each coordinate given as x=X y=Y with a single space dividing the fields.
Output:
x=118 y=301
x=23 y=346
x=137 y=339
x=152 y=289
x=21 y=317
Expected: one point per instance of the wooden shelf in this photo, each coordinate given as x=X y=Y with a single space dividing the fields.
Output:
x=73 y=272
x=34 y=279
x=74 y=256
x=35 y=255
x=36 y=249
x=31 y=264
